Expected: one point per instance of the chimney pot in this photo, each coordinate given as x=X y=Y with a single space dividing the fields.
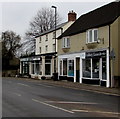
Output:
x=71 y=16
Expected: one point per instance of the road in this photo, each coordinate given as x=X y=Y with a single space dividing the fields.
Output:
x=31 y=98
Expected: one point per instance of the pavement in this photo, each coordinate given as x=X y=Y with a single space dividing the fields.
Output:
x=78 y=86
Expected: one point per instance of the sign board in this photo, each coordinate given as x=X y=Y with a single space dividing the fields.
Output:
x=96 y=54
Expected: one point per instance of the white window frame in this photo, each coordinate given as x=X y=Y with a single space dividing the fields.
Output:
x=66 y=42
x=93 y=34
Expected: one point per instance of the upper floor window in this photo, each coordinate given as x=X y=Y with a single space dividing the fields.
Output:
x=54 y=35
x=46 y=48
x=40 y=49
x=66 y=42
x=92 y=35
x=40 y=39
x=53 y=47
x=46 y=37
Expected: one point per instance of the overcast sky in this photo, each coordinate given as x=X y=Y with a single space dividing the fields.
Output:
x=17 y=15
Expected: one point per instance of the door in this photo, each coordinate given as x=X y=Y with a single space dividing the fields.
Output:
x=77 y=69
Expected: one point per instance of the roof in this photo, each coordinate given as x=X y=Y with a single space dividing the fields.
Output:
x=52 y=29
x=102 y=16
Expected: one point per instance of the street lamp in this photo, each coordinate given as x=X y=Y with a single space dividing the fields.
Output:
x=55 y=37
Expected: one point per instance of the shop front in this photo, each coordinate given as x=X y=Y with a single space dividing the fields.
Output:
x=85 y=67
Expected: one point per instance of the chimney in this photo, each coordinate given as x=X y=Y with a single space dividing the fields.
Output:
x=71 y=16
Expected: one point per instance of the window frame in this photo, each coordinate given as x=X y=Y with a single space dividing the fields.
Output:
x=66 y=42
x=46 y=48
x=88 y=40
x=40 y=39
x=46 y=37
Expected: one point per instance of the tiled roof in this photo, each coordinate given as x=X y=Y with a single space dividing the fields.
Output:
x=102 y=16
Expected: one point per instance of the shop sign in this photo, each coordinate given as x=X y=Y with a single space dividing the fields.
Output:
x=96 y=54
x=82 y=55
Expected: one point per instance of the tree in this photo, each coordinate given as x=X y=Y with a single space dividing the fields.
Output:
x=10 y=45
x=44 y=20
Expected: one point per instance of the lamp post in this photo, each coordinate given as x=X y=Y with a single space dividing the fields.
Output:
x=55 y=38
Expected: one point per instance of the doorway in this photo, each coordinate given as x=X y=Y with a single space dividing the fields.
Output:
x=77 y=69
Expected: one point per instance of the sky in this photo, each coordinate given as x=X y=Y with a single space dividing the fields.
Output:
x=16 y=15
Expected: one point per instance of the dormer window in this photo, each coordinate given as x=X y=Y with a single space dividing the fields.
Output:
x=66 y=42
x=92 y=35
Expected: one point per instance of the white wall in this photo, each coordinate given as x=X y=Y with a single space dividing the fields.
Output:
x=50 y=41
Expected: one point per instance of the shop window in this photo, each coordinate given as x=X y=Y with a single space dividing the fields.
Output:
x=64 y=66
x=37 y=68
x=47 y=67
x=87 y=68
x=104 y=69
x=92 y=36
x=66 y=42
x=95 y=68
x=71 y=68
x=25 y=68
x=60 y=67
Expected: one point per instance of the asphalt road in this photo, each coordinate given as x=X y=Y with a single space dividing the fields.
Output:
x=31 y=98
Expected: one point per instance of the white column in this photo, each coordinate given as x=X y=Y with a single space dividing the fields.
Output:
x=58 y=67
x=43 y=65
x=75 y=69
x=81 y=70
x=108 y=78
x=30 y=68
x=20 y=67
x=52 y=65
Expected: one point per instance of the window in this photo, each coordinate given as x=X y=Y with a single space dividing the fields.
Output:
x=71 y=68
x=40 y=39
x=46 y=48
x=53 y=47
x=46 y=38
x=92 y=36
x=40 y=49
x=66 y=42
x=47 y=67
x=54 y=35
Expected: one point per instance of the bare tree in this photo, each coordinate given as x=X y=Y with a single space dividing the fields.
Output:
x=44 y=20
x=11 y=43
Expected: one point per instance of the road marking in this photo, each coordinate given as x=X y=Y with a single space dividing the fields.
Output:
x=67 y=102
x=115 y=113
x=46 y=86
x=23 y=84
x=17 y=94
x=53 y=106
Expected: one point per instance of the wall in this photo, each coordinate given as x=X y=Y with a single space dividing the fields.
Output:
x=115 y=44
x=78 y=42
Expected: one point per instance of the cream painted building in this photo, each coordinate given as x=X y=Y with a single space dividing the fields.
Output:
x=42 y=64
x=89 y=50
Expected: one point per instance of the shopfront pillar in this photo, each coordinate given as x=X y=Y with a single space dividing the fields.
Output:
x=43 y=65
x=30 y=68
x=52 y=64
x=108 y=70
x=75 y=69
x=20 y=67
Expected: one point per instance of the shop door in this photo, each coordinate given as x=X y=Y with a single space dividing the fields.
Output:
x=77 y=69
